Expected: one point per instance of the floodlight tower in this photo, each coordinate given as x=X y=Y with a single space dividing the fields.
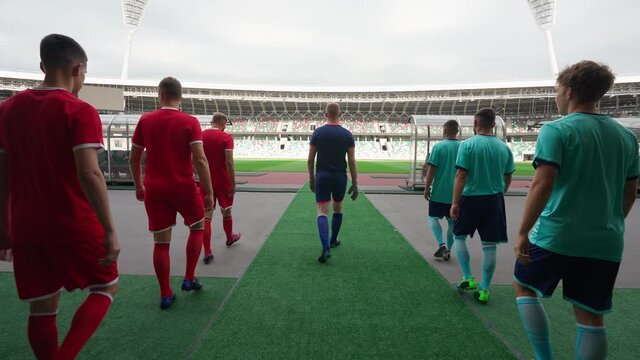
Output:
x=132 y=10
x=544 y=12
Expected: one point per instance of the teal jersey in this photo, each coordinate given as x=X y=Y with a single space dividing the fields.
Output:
x=584 y=215
x=443 y=158
x=487 y=160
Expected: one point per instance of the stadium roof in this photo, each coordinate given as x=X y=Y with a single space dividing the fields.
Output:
x=198 y=85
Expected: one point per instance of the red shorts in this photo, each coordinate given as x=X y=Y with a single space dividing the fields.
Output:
x=223 y=199
x=42 y=270
x=163 y=206
x=220 y=197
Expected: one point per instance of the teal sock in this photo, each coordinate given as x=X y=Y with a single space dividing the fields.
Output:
x=536 y=325
x=462 y=252
x=591 y=342
x=450 y=234
x=488 y=265
x=436 y=228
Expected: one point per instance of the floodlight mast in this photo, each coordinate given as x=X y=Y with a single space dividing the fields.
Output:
x=132 y=11
x=544 y=12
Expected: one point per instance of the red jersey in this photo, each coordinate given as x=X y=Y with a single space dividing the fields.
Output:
x=216 y=145
x=39 y=131
x=167 y=134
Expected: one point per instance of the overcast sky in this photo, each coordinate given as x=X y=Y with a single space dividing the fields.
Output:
x=327 y=43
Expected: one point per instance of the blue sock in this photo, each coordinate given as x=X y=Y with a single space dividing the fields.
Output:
x=591 y=342
x=462 y=252
x=488 y=265
x=536 y=325
x=436 y=228
x=450 y=234
x=323 y=230
x=336 y=222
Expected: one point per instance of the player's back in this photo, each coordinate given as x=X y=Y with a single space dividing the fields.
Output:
x=216 y=143
x=332 y=142
x=167 y=134
x=488 y=159
x=595 y=154
x=443 y=157
x=39 y=131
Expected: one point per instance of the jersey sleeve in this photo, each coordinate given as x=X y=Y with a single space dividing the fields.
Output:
x=314 y=138
x=433 y=157
x=194 y=132
x=229 y=144
x=633 y=170
x=138 y=134
x=463 y=160
x=351 y=141
x=548 y=147
x=510 y=165
x=86 y=128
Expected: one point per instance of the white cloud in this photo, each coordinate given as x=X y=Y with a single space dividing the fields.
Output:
x=327 y=43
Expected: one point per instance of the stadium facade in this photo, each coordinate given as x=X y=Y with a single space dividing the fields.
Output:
x=276 y=122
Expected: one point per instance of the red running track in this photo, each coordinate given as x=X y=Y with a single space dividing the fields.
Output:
x=293 y=178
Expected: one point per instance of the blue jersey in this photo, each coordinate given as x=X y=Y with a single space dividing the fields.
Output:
x=332 y=142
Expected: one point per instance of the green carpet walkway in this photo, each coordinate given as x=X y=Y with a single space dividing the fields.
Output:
x=375 y=299
x=134 y=328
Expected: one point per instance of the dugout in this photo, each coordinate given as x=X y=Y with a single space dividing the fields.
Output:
x=426 y=131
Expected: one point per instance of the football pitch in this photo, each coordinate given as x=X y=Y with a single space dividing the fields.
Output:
x=377 y=298
x=364 y=166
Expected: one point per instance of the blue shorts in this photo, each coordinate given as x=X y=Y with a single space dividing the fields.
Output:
x=587 y=283
x=330 y=185
x=484 y=213
x=439 y=210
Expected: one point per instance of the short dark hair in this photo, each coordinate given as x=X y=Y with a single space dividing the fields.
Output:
x=451 y=127
x=333 y=109
x=588 y=80
x=219 y=117
x=60 y=52
x=171 y=88
x=486 y=118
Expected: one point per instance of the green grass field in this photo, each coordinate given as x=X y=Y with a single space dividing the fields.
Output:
x=364 y=166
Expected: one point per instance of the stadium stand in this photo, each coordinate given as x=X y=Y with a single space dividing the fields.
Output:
x=278 y=123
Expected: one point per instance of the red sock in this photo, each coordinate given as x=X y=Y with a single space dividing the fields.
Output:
x=206 y=239
x=43 y=336
x=194 y=246
x=85 y=323
x=162 y=265
x=227 y=224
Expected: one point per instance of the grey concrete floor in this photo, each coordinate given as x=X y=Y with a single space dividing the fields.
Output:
x=408 y=214
x=249 y=218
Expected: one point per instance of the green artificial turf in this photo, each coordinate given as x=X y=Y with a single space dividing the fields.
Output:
x=623 y=324
x=376 y=298
x=364 y=166
x=134 y=328
x=524 y=169
x=297 y=165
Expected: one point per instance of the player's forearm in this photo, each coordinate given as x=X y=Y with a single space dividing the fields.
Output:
x=231 y=171
x=202 y=168
x=630 y=191
x=507 y=182
x=537 y=198
x=353 y=169
x=136 y=170
x=431 y=174
x=95 y=190
x=458 y=186
x=311 y=168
